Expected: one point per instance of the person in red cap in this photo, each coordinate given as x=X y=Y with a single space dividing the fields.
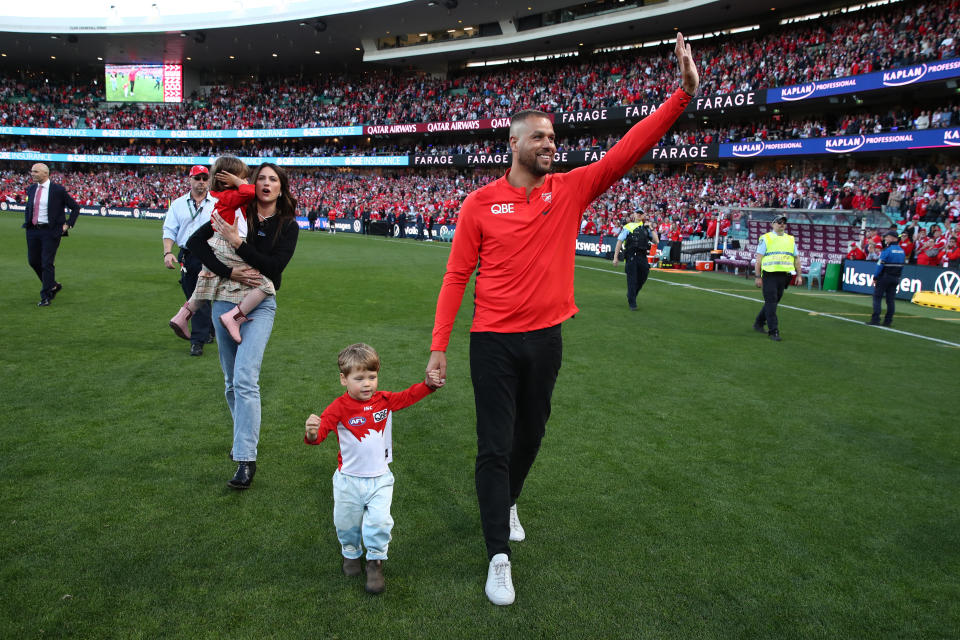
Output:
x=185 y=215
x=233 y=194
x=856 y=253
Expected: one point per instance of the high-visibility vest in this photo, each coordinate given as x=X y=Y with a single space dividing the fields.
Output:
x=780 y=252
x=630 y=248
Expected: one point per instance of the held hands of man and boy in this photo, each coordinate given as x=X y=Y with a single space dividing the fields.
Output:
x=432 y=380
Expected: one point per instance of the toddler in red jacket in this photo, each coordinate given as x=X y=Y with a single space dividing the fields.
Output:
x=233 y=194
x=362 y=418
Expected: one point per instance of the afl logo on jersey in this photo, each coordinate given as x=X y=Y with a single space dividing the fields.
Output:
x=357 y=421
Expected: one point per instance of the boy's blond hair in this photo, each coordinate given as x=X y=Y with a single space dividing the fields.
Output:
x=358 y=357
x=230 y=164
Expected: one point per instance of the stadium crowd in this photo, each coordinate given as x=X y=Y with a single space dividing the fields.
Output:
x=874 y=39
x=685 y=200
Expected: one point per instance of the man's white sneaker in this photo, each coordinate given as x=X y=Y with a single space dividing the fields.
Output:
x=517 y=534
x=499 y=587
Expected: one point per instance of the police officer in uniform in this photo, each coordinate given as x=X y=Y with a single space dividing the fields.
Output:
x=887 y=277
x=777 y=264
x=635 y=238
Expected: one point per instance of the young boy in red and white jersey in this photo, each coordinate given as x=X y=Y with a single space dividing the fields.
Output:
x=362 y=418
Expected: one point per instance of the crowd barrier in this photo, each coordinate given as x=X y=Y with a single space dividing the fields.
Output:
x=924 y=139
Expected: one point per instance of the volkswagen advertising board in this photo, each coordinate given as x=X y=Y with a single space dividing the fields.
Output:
x=858 y=278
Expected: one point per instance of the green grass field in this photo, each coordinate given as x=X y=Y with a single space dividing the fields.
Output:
x=145 y=89
x=697 y=480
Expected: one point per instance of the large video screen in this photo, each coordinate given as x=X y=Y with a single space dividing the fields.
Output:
x=144 y=82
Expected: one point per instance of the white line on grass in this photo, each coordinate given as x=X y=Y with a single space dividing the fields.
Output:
x=784 y=306
x=732 y=295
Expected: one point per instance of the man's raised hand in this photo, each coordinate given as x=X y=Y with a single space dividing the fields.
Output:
x=689 y=78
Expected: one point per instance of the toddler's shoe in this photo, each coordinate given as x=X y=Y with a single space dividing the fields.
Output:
x=351 y=567
x=179 y=322
x=375 y=579
x=231 y=321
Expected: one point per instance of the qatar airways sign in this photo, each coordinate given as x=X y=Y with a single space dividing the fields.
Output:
x=436 y=127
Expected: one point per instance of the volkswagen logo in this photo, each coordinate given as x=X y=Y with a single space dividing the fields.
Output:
x=948 y=283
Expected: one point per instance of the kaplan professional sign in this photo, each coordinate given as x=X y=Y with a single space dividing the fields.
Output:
x=858 y=277
x=892 y=141
x=890 y=79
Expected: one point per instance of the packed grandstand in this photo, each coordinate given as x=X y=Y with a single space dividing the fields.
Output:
x=720 y=163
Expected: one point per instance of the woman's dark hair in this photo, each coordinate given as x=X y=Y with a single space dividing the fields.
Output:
x=286 y=203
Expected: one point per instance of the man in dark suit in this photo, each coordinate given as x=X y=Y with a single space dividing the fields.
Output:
x=45 y=221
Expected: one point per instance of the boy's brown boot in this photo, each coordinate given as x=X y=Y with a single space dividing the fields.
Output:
x=351 y=567
x=375 y=581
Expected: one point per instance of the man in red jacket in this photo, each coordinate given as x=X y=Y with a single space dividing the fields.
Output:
x=521 y=229
x=856 y=253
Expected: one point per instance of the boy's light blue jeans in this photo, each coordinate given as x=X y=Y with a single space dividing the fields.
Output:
x=241 y=372
x=361 y=513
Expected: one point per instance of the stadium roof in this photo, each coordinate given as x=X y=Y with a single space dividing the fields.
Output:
x=265 y=36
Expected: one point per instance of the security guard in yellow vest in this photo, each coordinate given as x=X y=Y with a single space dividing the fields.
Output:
x=635 y=239
x=777 y=265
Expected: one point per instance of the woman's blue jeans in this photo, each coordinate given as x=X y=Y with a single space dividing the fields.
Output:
x=241 y=372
